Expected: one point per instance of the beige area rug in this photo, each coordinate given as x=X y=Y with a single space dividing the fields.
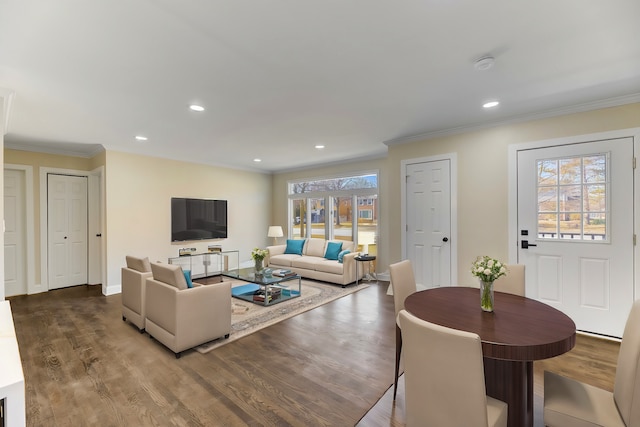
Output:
x=247 y=317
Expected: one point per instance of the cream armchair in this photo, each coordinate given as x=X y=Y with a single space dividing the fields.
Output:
x=134 y=277
x=181 y=317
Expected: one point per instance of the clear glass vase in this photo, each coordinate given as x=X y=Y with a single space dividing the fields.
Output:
x=258 y=265
x=486 y=296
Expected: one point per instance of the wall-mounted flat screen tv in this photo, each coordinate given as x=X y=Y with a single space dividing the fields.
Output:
x=198 y=219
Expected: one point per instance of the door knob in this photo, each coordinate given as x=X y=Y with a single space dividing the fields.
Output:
x=446 y=239
x=525 y=244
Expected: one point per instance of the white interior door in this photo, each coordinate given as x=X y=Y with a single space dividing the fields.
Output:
x=575 y=214
x=15 y=273
x=428 y=216
x=67 y=229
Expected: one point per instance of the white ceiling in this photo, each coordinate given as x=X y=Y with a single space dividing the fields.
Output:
x=278 y=77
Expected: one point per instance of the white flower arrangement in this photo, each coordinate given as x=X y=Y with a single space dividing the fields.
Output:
x=258 y=254
x=488 y=269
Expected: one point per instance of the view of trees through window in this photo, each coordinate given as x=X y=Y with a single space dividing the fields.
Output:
x=572 y=198
x=343 y=208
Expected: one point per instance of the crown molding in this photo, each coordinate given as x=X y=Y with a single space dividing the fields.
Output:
x=578 y=108
x=87 y=151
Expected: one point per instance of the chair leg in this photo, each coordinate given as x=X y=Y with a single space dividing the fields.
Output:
x=398 y=352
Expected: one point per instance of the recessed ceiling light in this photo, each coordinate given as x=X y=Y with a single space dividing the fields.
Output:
x=194 y=107
x=141 y=138
x=319 y=146
x=491 y=104
x=257 y=160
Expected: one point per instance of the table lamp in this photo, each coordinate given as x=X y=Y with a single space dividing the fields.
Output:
x=365 y=239
x=275 y=231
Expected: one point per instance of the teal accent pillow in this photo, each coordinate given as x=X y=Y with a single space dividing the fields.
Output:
x=294 y=246
x=333 y=249
x=187 y=277
x=342 y=254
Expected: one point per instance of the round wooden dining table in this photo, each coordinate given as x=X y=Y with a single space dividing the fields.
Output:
x=518 y=331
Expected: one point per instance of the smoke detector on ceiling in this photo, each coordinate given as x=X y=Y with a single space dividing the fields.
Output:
x=484 y=63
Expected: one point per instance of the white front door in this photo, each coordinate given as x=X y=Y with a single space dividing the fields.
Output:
x=67 y=228
x=428 y=218
x=575 y=230
x=15 y=276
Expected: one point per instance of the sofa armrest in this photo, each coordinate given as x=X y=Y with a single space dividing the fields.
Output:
x=349 y=269
x=274 y=250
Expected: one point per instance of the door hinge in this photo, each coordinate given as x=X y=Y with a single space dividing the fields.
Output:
x=634 y=240
x=634 y=162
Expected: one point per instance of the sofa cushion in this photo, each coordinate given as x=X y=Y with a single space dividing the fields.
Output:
x=329 y=266
x=342 y=254
x=294 y=246
x=282 y=260
x=315 y=247
x=307 y=262
x=139 y=264
x=169 y=274
x=347 y=245
x=332 y=251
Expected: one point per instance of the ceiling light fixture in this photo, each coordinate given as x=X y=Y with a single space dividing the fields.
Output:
x=484 y=63
x=319 y=146
x=194 y=107
x=257 y=160
x=141 y=138
x=490 y=104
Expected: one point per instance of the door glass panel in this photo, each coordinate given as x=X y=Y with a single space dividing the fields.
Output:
x=367 y=224
x=299 y=220
x=343 y=218
x=547 y=172
x=547 y=225
x=547 y=199
x=317 y=218
x=573 y=198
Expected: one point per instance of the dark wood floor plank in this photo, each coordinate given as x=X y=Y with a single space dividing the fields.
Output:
x=327 y=367
x=84 y=366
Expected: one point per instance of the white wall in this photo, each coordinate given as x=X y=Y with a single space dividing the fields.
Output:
x=138 y=198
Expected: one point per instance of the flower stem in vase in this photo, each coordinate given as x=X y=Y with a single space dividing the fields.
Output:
x=486 y=296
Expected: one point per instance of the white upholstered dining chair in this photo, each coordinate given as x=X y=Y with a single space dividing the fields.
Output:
x=572 y=403
x=444 y=377
x=513 y=282
x=403 y=284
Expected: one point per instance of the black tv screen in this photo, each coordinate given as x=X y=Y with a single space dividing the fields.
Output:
x=198 y=219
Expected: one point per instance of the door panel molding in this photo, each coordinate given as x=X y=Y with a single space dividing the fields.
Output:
x=453 y=183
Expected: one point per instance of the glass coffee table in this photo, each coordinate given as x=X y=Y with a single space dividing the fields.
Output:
x=264 y=290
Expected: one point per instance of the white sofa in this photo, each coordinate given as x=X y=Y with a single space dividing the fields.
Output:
x=311 y=262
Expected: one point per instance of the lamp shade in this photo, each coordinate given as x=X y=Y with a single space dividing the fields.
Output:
x=275 y=231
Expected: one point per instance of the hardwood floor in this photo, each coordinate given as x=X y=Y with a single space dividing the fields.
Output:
x=329 y=366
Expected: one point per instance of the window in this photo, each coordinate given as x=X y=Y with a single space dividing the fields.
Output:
x=573 y=198
x=336 y=208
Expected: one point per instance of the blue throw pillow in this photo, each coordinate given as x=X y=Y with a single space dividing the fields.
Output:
x=342 y=254
x=187 y=277
x=333 y=249
x=294 y=246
